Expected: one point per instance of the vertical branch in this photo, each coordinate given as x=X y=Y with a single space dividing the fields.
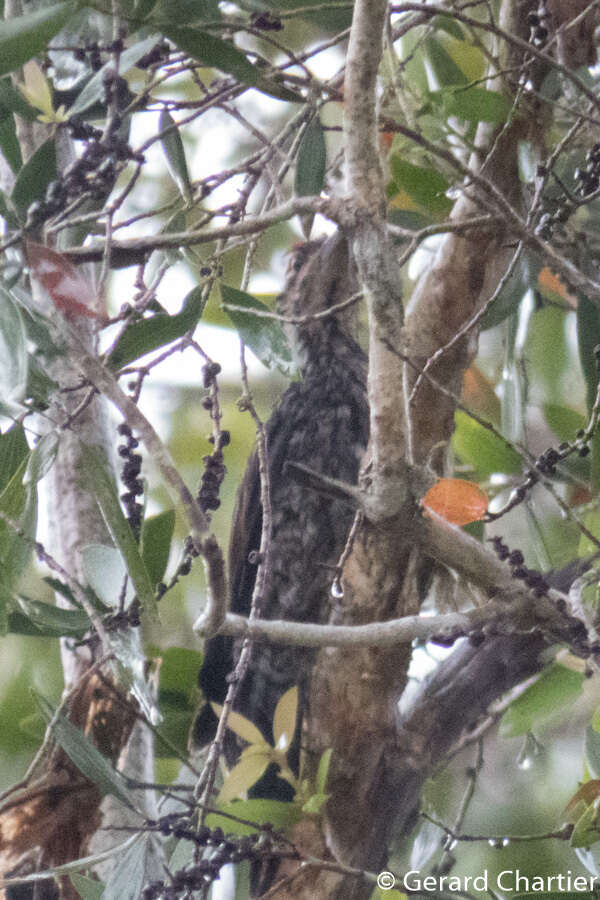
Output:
x=375 y=257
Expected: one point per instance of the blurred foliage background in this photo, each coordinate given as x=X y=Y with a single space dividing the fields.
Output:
x=532 y=378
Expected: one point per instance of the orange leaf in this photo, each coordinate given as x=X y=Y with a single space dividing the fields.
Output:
x=386 y=139
x=551 y=285
x=62 y=281
x=478 y=393
x=456 y=500
x=586 y=793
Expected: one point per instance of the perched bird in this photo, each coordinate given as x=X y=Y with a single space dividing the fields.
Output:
x=321 y=421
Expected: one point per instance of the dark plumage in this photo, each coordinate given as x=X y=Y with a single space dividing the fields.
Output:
x=322 y=422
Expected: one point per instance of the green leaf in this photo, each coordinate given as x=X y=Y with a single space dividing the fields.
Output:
x=591 y=521
x=218 y=54
x=87 y=888
x=425 y=186
x=12 y=101
x=136 y=867
x=172 y=145
x=106 y=495
x=265 y=337
x=156 y=331
x=13 y=352
x=105 y=573
x=53 y=621
x=586 y=831
x=245 y=773
x=592 y=751
x=564 y=421
x=521 y=279
x=281 y=815
x=588 y=337
x=475 y=104
x=481 y=449
x=94 y=90
x=13 y=451
x=442 y=66
x=323 y=770
x=19 y=503
x=157 y=533
x=184 y=12
x=42 y=458
x=177 y=696
x=83 y=754
x=284 y=719
x=34 y=177
x=243 y=727
x=556 y=688
x=27 y=36
x=312 y=157
x=9 y=143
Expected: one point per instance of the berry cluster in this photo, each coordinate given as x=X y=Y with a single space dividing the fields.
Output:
x=265 y=21
x=214 y=467
x=538 y=34
x=532 y=578
x=130 y=476
x=159 y=53
x=545 y=464
x=588 y=179
x=574 y=631
x=92 y=175
x=92 y=52
x=220 y=852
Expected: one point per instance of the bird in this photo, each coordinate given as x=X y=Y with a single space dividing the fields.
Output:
x=322 y=422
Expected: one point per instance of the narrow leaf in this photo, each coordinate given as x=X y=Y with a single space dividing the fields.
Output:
x=588 y=337
x=19 y=503
x=156 y=331
x=323 y=770
x=312 y=157
x=83 y=754
x=172 y=145
x=87 y=888
x=35 y=176
x=284 y=719
x=136 y=868
x=242 y=726
x=265 y=337
x=441 y=65
x=42 y=458
x=9 y=143
x=223 y=55
x=11 y=101
x=13 y=451
x=13 y=352
x=108 y=501
x=157 y=532
x=53 y=621
x=27 y=36
x=245 y=774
